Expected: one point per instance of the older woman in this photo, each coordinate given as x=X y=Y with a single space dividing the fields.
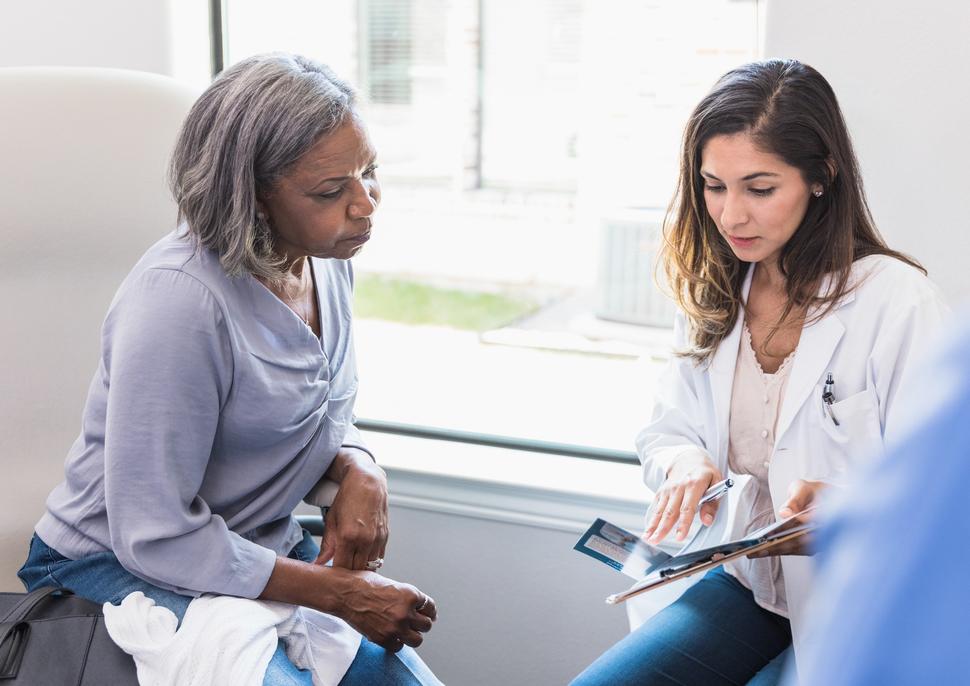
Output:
x=226 y=386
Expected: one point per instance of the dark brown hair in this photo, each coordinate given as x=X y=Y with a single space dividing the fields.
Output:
x=791 y=111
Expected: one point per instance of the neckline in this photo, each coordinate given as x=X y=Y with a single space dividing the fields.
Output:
x=754 y=356
x=283 y=312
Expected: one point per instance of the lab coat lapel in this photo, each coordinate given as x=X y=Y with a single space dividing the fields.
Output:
x=722 y=373
x=814 y=354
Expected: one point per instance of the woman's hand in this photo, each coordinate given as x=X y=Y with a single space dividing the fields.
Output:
x=677 y=499
x=356 y=529
x=801 y=496
x=387 y=612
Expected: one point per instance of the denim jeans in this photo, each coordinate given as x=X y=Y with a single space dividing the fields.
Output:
x=101 y=578
x=713 y=634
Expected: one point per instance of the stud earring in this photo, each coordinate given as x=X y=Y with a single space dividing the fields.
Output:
x=261 y=216
x=817 y=192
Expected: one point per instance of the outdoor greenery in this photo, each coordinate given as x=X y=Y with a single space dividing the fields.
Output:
x=413 y=302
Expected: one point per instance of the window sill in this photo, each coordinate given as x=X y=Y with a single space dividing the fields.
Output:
x=545 y=491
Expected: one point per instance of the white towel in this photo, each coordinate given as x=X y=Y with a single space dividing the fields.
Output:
x=228 y=640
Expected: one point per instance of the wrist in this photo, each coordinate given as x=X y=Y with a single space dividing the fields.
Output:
x=339 y=586
x=688 y=462
x=350 y=460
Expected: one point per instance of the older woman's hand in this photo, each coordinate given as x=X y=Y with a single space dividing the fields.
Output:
x=389 y=613
x=355 y=530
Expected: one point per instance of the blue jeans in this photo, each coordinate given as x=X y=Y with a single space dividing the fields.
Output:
x=713 y=634
x=101 y=578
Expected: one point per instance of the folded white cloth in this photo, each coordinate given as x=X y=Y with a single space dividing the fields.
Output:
x=228 y=640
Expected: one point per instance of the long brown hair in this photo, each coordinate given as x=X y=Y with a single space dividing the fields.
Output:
x=789 y=110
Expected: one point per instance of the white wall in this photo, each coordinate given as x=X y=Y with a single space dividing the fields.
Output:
x=517 y=605
x=167 y=37
x=93 y=33
x=901 y=70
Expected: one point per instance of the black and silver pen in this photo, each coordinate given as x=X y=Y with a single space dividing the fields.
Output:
x=716 y=491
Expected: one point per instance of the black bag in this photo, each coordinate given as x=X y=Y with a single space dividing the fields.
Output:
x=50 y=637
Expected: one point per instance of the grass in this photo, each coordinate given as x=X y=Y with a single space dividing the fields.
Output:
x=413 y=302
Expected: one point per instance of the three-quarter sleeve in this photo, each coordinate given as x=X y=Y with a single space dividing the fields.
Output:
x=354 y=439
x=672 y=431
x=169 y=359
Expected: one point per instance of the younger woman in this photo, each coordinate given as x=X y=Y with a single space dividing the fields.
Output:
x=787 y=292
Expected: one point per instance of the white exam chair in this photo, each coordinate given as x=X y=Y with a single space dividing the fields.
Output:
x=83 y=193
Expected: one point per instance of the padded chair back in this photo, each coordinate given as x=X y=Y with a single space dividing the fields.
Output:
x=83 y=155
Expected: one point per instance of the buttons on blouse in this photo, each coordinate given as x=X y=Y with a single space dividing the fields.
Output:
x=764 y=433
x=766 y=464
x=767 y=400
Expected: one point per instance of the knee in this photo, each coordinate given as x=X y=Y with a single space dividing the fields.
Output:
x=281 y=672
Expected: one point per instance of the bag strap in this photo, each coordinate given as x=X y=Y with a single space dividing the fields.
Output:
x=22 y=610
x=14 y=626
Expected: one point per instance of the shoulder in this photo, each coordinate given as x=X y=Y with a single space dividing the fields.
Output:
x=881 y=280
x=171 y=281
x=176 y=269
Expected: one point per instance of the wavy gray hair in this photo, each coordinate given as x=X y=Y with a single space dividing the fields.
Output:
x=240 y=137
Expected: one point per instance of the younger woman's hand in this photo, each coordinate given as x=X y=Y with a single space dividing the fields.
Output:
x=356 y=527
x=801 y=496
x=677 y=499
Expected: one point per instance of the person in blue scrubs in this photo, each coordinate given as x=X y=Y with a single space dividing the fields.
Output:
x=893 y=598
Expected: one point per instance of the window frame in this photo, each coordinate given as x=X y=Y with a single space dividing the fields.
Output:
x=217 y=29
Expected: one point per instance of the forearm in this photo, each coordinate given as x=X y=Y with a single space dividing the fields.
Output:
x=315 y=586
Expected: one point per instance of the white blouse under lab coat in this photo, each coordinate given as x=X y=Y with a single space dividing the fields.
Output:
x=869 y=342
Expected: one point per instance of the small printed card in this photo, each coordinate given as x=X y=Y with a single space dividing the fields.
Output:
x=621 y=550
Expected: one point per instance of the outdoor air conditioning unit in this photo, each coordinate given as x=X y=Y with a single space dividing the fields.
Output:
x=625 y=287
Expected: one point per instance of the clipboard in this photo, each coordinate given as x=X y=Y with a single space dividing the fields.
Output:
x=715 y=560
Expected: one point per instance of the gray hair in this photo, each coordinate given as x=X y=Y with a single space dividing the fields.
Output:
x=240 y=137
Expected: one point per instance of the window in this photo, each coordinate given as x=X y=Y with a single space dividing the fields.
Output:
x=526 y=152
x=387 y=39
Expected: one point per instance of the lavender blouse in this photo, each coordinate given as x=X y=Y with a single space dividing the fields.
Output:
x=214 y=409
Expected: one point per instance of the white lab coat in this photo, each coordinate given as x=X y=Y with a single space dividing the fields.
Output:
x=869 y=343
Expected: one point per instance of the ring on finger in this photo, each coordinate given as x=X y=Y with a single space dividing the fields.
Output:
x=424 y=603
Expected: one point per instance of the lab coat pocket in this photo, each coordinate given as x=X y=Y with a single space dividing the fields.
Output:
x=857 y=433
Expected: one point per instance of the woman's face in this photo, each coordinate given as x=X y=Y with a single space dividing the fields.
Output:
x=756 y=200
x=323 y=206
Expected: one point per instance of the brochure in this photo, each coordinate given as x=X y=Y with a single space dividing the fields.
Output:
x=652 y=567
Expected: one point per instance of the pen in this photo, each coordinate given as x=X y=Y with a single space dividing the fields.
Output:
x=716 y=491
x=828 y=397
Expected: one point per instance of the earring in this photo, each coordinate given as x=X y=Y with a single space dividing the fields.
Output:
x=817 y=192
x=261 y=216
